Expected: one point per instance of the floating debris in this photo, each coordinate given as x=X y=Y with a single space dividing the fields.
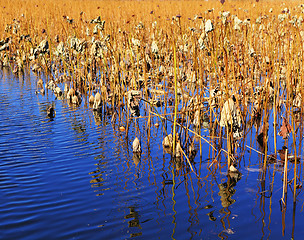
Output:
x=229 y=231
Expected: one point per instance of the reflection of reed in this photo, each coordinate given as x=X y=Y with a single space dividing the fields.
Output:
x=98 y=180
x=133 y=214
x=283 y=220
x=173 y=205
x=226 y=191
x=97 y=117
x=293 y=219
x=262 y=205
x=160 y=196
x=270 y=200
x=193 y=215
x=133 y=222
x=136 y=158
x=226 y=229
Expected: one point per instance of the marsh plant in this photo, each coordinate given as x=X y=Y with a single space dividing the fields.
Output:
x=207 y=73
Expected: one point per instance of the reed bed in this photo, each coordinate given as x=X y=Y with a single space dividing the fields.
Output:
x=230 y=69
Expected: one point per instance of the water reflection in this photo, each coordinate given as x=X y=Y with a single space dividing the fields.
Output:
x=226 y=191
x=211 y=216
x=97 y=117
x=133 y=221
x=136 y=158
x=97 y=181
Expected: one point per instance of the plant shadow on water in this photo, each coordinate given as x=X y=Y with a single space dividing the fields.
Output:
x=168 y=127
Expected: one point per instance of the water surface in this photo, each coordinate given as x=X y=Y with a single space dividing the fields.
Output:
x=75 y=177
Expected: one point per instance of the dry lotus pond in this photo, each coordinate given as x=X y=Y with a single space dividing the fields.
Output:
x=151 y=119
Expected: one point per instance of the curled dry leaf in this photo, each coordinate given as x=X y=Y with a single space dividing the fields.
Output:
x=40 y=83
x=285 y=129
x=237 y=23
x=133 y=98
x=168 y=145
x=58 y=91
x=136 y=146
x=76 y=99
x=214 y=94
x=232 y=169
x=154 y=47
x=208 y=26
x=167 y=142
x=297 y=101
x=97 y=101
x=91 y=99
x=196 y=120
x=70 y=94
x=230 y=114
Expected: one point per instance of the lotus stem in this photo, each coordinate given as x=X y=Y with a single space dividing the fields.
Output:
x=176 y=100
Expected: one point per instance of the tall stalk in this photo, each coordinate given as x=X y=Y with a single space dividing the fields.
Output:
x=176 y=100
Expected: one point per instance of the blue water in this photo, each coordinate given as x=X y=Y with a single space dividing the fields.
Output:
x=75 y=177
